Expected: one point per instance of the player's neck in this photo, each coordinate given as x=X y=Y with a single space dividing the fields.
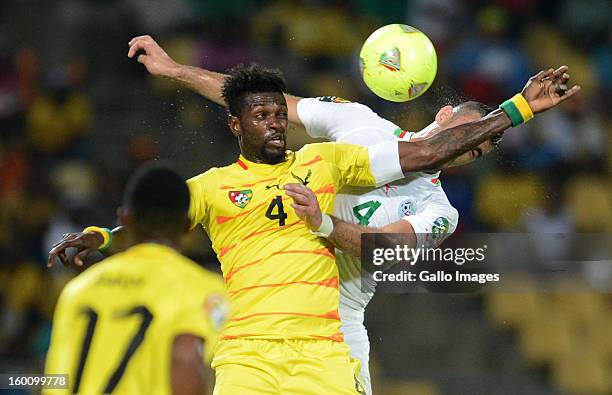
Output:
x=258 y=159
x=155 y=239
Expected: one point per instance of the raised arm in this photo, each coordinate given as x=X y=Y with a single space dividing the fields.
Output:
x=433 y=153
x=542 y=92
x=205 y=82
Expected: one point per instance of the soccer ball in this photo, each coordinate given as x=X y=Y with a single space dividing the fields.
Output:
x=398 y=62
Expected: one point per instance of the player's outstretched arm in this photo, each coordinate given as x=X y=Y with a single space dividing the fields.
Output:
x=543 y=91
x=470 y=156
x=86 y=243
x=205 y=82
x=188 y=370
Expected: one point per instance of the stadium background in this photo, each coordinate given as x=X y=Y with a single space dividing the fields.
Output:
x=77 y=116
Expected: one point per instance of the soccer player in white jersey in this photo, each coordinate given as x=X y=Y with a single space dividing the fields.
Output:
x=415 y=206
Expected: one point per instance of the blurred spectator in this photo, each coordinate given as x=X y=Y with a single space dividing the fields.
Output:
x=59 y=118
x=76 y=116
x=13 y=101
x=489 y=65
x=574 y=133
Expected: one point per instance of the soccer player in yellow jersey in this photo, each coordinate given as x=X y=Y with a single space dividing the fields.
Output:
x=283 y=335
x=138 y=322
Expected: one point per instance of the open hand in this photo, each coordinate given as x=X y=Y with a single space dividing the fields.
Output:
x=548 y=88
x=85 y=243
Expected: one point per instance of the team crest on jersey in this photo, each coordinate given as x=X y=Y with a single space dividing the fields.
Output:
x=217 y=310
x=390 y=59
x=333 y=99
x=240 y=198
x=435 y=181
x=439 y=228
x=407 y=207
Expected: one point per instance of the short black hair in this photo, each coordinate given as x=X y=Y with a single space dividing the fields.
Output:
x=157 y=197
x=243 y=80
x=473 y=106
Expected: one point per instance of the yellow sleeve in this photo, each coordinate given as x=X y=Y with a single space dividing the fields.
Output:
x=355 y=165
x=349 y=163
x=199 y=198
x=202 y=312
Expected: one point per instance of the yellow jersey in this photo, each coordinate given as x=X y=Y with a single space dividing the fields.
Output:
x=115 y=323
x=282 y=279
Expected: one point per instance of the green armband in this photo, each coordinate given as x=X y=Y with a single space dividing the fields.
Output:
x=517 y=109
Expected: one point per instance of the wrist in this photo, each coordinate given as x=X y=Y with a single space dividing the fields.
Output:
x=517 y=109
x=177 y=72
x=326 y=227
x=105 y=233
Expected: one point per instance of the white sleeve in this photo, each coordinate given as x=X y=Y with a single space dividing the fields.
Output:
x=385 y=162
x=435 y=222
x=329 y=119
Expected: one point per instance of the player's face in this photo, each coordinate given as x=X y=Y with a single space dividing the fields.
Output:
x=457 y=120
x=262 y=127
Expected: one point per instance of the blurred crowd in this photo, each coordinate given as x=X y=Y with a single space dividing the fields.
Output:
x=77 y=116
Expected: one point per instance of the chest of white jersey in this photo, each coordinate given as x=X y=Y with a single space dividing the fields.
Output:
x=357 y=124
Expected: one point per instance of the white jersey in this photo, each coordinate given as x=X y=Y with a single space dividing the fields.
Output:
x=418 y=198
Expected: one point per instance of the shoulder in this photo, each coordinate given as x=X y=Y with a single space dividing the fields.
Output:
x=213 y=176
x=332 y=103
x=85 y=280
x=329 y=149
x=205 y=176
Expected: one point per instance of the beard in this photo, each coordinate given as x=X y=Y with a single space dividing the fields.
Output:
x=272 y=155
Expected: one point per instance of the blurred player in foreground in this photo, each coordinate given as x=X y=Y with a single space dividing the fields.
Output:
x=416 y=205
x=284 y=332
x=140 y=321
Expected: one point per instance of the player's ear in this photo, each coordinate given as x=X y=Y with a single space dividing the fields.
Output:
x=234 y=125
x=123 y=213
x=444 y=115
